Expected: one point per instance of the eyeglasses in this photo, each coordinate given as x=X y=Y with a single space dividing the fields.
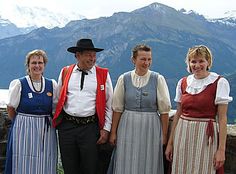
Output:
x=35 y=63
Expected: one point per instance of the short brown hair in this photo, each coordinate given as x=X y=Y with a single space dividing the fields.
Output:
x=140 y=47
x=36 y=52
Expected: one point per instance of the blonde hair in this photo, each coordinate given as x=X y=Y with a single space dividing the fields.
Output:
x=199 y=51
x=32 y=53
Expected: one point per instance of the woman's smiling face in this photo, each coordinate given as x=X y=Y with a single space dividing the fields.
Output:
x=142 y=62
x=198 y=66
x=36 y=65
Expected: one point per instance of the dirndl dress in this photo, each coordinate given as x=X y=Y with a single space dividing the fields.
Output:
x=196 y=133
x=32 y=143
x=139 y=135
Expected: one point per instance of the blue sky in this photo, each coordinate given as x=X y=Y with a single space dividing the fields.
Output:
x=97 y=8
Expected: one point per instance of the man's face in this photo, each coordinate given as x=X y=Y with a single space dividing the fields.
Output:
x=86 y=59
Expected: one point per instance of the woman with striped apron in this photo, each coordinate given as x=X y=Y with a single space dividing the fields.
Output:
x=32 y=144
x=197 y=142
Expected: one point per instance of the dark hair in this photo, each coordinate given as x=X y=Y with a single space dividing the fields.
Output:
x=140 y=47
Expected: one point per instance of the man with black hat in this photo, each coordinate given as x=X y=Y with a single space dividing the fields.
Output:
x=83 y=114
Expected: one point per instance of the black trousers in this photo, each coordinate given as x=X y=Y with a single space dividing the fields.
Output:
x=79 y=151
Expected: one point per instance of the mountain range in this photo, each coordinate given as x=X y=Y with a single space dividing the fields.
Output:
x=168 y=31
x=22 y=20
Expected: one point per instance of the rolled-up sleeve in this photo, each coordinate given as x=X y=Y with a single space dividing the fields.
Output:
x=109 y=94
x=163 y=96
x=55 y=98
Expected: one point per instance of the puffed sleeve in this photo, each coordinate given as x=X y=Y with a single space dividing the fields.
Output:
x=14 y=93
x=178 y=92
x=222 y=92
x=118 y=96
x=163 y=96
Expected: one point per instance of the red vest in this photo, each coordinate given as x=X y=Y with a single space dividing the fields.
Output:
x=101 y=74
x=200 y=105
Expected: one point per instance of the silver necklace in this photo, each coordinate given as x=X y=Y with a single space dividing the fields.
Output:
x=41 y=86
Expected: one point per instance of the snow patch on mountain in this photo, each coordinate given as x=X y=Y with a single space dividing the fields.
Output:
x=229 y=18
x=4 y=22
x=37 y=17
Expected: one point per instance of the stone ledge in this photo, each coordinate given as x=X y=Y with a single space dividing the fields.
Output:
x=106 y=150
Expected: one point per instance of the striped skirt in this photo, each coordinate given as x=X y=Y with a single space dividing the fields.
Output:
x=34 y=145
x=193 y=149
x=139 y=145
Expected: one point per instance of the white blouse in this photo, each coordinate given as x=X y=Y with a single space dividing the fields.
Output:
x=195 y=86
x=14 y=93
x=163 y=97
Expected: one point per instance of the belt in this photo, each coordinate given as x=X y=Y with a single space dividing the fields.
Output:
x=81 y=120
x=210 y=126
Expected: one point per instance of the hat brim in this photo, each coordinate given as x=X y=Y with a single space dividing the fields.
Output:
x=78 y=49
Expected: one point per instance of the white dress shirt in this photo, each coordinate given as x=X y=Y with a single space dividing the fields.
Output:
x=82 y=103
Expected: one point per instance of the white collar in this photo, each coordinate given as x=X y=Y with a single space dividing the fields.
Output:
x=144 y=76
x=91 y=71
x=199 y=83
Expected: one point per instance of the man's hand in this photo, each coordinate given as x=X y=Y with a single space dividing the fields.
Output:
x=103 y=136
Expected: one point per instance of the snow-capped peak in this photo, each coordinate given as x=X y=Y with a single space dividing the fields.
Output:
x=230 y=14
x=37 y=17
x=229 y=18
x=190 y=12
x=4 y=22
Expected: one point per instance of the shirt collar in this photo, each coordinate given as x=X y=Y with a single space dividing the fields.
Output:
x=91 y=71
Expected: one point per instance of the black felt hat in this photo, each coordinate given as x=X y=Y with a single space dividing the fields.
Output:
x=83 y=44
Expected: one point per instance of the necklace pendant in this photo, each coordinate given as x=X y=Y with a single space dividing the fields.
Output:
x=41 y=85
